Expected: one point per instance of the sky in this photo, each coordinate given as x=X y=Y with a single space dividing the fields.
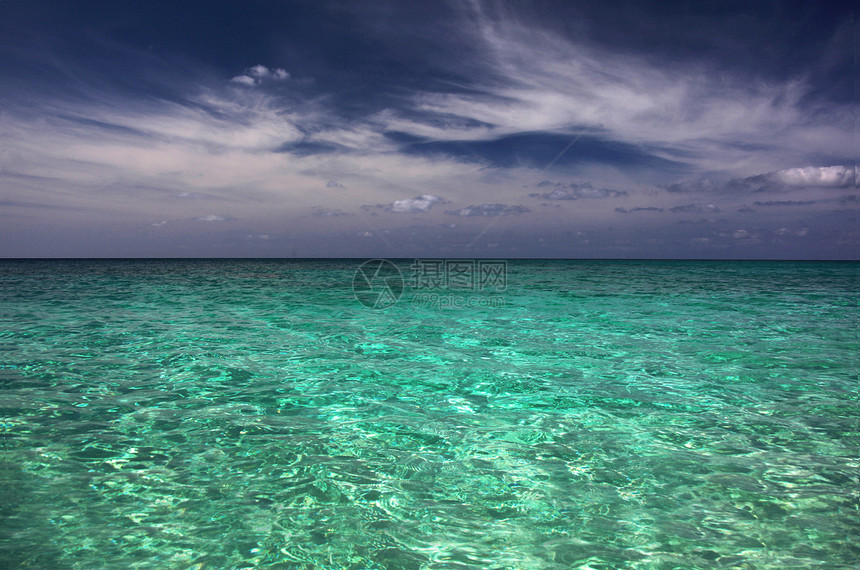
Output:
x=398 y=129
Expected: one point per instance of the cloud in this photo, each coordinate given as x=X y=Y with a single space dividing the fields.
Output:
x=800 y=232
x=532 y=100
x=419 y=204
x=776 y=181
x=575 y=191
x=785 y=203
x=244 y=80
x=256 y=75
x=261 y=72
x=696 y=209
x=536 y=80
x=638 y=209
x=690 y=186
x=821 y=176
x=214 y=119
x=489 y=210
x=321 y=212
x=793 y=178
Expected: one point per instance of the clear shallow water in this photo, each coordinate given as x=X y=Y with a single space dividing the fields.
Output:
x=231 y=414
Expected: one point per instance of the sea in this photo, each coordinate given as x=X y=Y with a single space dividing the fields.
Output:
x=429 y=414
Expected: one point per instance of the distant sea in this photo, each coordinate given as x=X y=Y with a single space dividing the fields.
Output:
x=528 y=414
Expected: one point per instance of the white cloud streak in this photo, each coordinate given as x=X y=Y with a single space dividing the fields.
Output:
x=542 y=82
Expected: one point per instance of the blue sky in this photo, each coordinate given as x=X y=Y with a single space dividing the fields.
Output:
x=428 y=129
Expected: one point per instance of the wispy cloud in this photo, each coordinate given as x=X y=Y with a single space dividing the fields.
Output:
x=606 y=131
x=256 y=75
x=321 y=212
x=489 y=210
x=213 y=218
x=785 y=203
x=574 y=191
x=638 y=209
x=695 y=209
x=539 y=81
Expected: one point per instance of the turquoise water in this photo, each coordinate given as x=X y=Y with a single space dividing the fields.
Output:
x=243 y=414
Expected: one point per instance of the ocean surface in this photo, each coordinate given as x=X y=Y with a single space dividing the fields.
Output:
x=534 y=414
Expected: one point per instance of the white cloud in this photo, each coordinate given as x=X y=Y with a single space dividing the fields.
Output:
x=790 y=180
x=257 y=74
x=361 y=138
x=421 y=203
x=445 y=127
x=538 y=81
x=219 y=146
x=212 y=218
x=835 y=176
x=244 y=80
